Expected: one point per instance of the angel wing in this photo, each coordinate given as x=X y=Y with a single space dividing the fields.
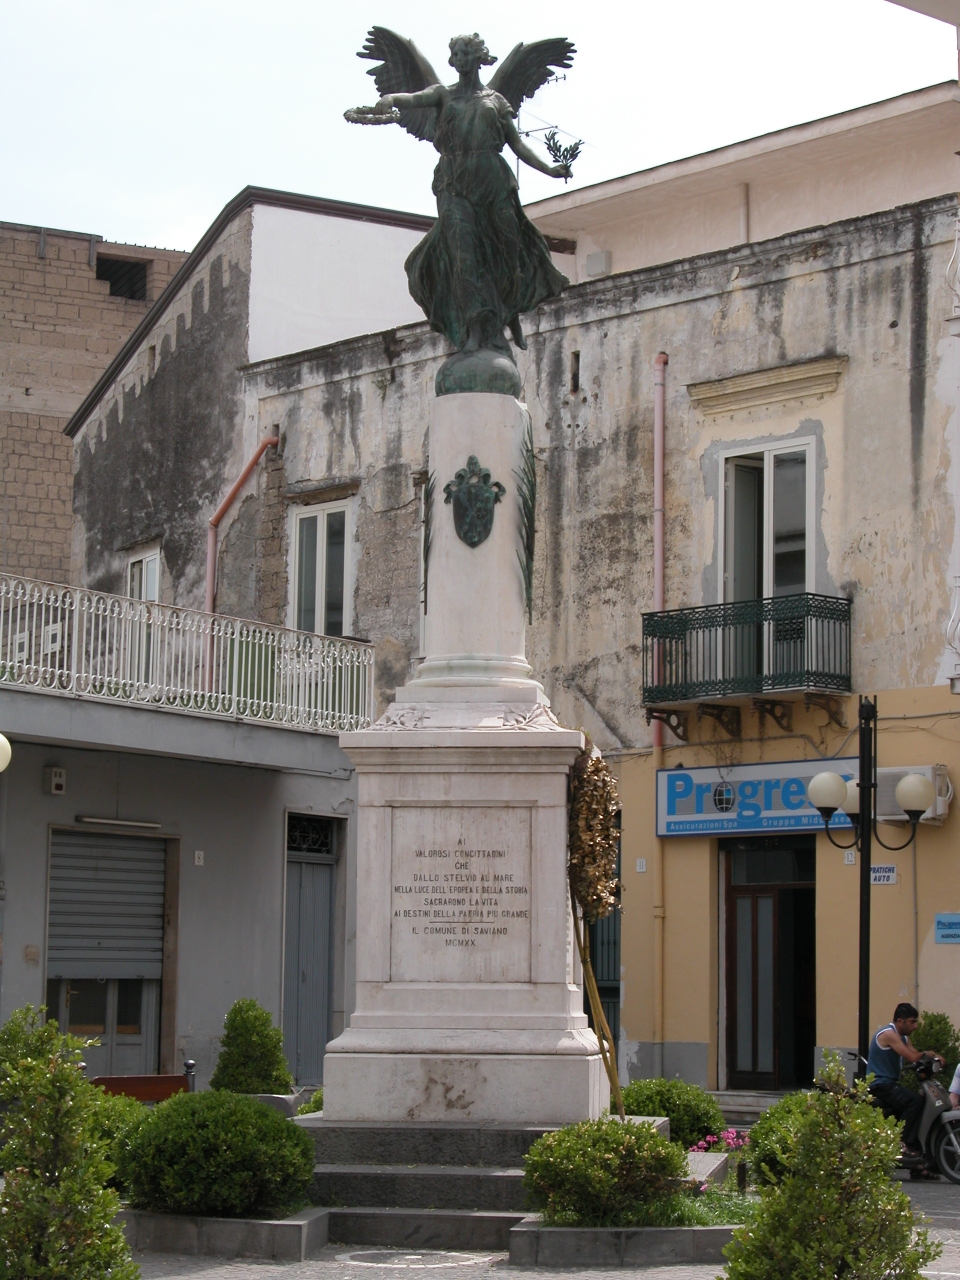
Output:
x=527 y=66
x=403 y=69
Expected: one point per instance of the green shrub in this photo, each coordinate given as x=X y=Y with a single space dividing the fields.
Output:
x=601 y=1173
x=251 y=1053
x=835 y=1210
x=118 y=1118
x=219 y=1155
x=937 y=1033
x=773 y=1137
x=692 y=1112
x=315 y=1104
x=56 y=1211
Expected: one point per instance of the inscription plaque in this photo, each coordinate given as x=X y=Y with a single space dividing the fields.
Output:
x=460 y=895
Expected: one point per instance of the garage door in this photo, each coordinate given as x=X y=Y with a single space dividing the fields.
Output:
x=106 y=906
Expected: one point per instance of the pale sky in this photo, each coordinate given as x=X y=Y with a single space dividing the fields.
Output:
x=138 y=122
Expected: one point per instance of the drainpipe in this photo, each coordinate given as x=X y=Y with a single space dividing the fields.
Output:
x=660 y=365
x=218 y=515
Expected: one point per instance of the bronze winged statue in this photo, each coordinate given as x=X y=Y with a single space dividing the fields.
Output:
x=483 y=263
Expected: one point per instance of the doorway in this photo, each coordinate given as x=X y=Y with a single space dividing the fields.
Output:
x=121 y=1014
x=770 y=961
x=308 y=944
x=105 y=945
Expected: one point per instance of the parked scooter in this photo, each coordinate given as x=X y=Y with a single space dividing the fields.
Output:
x=939 y=1132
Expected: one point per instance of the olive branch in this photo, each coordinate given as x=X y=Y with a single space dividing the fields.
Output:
x=558 y=153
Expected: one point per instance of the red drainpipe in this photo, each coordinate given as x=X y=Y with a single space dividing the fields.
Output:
x=660 y=365
x=221 y=511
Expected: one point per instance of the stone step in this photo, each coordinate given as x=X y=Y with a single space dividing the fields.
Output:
x=743 y=1107
x=362 y=1142
x=418 y=1186
x=423 y=1228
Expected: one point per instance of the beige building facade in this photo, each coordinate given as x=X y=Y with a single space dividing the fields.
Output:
x=797 y=287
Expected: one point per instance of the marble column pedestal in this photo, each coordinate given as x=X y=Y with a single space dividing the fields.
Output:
x=469 y=1004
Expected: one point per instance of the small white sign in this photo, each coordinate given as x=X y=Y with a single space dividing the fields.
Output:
x=198 y=857
x=641 y=865
x=850 y=857
x=883 y=875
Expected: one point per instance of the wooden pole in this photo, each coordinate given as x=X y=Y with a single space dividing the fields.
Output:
x=608 y=1050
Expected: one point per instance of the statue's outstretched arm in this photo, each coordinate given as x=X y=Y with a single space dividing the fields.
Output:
x=432 y=97
x=529 y=156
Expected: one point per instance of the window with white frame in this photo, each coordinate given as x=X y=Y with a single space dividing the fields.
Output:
x=768 y=521
x=321 y=568
x=143 y=577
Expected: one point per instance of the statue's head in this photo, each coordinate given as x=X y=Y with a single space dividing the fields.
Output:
x=468 y=52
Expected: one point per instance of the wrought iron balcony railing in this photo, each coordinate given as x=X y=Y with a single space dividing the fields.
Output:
x=749 y=647
x=64 y=640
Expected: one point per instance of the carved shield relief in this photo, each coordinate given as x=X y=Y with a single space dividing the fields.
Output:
x=473 y=497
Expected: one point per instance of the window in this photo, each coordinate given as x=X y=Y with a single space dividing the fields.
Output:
x=320 y=573
x=143 y=583
x=127 y=279
x=768 y=521
x=143 y=580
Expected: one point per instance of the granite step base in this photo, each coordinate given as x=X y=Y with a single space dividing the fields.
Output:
x=464 y=1230
x=418 y=1186
x=345 y=1142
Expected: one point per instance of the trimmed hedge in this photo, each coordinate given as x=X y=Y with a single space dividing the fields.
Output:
x=118 y=1119
x=220 y=1155
x=56 y=1210
x=692 y=1112
x=313 y=1105
x=833 y=1209
x=601 y=1173
x=773 y=1138
x=251 y=1053
x=937 y=1033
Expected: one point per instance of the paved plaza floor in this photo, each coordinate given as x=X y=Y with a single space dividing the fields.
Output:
x=346 y=1262
x=938 y=1201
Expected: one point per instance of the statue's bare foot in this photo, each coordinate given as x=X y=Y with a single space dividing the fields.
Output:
x=473 y=337
x=516 y=332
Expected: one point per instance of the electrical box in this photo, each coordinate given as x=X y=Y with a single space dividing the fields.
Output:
x=54 y=781
x=599 y=263
x=887 y=808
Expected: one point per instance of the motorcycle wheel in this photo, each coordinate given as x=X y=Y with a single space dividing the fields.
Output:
x=948 y=1151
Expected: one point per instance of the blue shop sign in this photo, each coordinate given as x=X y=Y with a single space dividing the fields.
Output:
x=745 y=799
x=947 y=927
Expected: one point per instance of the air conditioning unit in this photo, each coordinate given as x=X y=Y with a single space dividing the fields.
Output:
x=887 y=808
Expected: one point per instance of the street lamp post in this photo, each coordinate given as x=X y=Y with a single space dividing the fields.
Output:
x=868 y=719
x=827 y=793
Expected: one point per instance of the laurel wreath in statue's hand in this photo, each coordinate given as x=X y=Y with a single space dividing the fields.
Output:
x=370 y=115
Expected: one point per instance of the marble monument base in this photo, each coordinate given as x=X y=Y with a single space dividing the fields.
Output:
x=469 y=1004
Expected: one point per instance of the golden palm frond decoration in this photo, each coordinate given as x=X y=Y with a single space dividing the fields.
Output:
x=593 y=840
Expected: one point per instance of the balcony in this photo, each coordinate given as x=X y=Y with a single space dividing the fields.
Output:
x=87 y=644
x=771 y=645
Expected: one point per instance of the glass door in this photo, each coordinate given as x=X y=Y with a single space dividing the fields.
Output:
x=121 y=1014
x=143 y=584
x=771 y=962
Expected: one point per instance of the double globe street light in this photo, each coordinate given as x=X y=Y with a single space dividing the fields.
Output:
x=828 y=792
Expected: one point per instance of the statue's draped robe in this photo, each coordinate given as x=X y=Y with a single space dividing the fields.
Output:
x=483 y=260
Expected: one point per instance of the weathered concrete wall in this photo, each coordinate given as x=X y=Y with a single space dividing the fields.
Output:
x=869 y=290
x=156 y=458
x=230 y=939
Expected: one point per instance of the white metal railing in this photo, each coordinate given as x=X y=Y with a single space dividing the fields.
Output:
x=88 y=644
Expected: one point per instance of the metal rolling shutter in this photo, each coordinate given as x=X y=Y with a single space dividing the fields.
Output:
x=106 y=906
